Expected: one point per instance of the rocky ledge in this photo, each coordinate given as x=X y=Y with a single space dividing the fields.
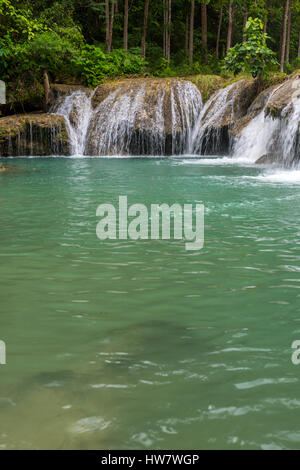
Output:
x=226 y=107
x=33 y=134
x=145 y=116
x=148 y=116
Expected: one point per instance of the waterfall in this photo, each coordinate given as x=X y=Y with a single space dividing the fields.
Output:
x=76 y=109
x=120 y=124
x=186 y=108
x=208 y=134
x=269 y=136
x=138 y=117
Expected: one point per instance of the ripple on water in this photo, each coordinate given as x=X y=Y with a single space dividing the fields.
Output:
x=90 y=424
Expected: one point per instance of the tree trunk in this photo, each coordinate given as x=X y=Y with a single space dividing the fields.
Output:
x=125 y=32
x=186 y=41
x=204 y=28
x=283 y=44
x=230 y=24
x=146 y=10
x=111 y=23
x=288 y=39
x=46 y=90
x=244 y=23
x=192 y=32
x=170 y=24
x=219 y=32
x=107 y=22
x=167 y=29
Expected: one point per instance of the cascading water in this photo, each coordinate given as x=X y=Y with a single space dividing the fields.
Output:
x=156 y=117
x=186 y=108
x=76 y=109
x=269 y=136
x=208 y=135
x=136 y=118
x=120 y=125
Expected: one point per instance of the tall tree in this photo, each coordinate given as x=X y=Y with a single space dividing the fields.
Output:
x=125 y=30
x=284 y=31
x=288 y=37
x=204 y=27
x=146 y=11
x=192 y=19
x=186 y=39
x=109 y=21
x=230 y=25
x=219 y=31
x=167 y=6
x=245 y=21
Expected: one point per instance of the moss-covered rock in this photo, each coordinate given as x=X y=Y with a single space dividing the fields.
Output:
x=208 y=84
x=59 y=91
x=144 y=116
x=33 y=134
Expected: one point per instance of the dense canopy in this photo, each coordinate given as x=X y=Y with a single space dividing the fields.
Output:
x=88 y=41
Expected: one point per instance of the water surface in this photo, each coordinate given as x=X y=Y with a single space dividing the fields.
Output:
x=142 y=344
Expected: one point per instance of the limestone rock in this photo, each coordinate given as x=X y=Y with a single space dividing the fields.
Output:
x=145 y=116
x=221 y=112
x=33 y=134
x=254 y=109
x=283 y=97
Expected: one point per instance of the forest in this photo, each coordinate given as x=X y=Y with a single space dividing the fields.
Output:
x=86 y=42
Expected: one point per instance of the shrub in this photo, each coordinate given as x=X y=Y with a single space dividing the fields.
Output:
x=253 y=55
x=94 y=65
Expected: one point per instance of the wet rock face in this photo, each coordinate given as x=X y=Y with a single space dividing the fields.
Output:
x=269 y=133
x=266 y=159
x=142 y=117
x=254 y=109
x=58 y=92
x=285 y=95
x=33 y=134
x=219 y=115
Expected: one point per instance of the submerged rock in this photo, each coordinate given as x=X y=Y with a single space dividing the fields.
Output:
x=4 y=168
x=267 y=159
x=33 y=134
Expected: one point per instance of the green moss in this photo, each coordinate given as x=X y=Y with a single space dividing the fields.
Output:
x=207 y=84
x=36 y=134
